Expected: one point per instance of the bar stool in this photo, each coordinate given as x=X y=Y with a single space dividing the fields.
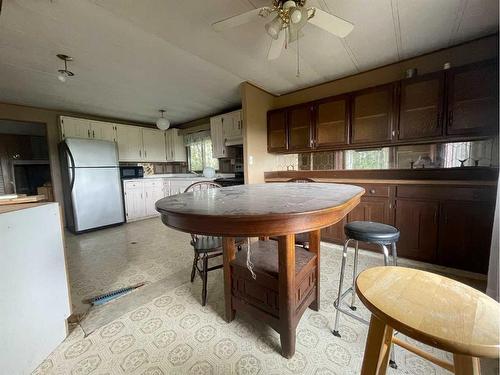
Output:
x=370 y=232
x=431 y=309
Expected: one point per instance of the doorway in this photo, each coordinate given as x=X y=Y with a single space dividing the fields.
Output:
x=24 y=159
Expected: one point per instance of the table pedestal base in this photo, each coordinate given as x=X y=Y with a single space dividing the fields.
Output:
x=287 y=283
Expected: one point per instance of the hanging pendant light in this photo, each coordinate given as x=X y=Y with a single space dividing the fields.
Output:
x=64 y=73
x=162 y=123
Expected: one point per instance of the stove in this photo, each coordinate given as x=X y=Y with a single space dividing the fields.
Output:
x=238 y=179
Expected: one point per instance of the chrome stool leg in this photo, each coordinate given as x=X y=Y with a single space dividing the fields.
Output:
x=394 y=254
x=341 y=282
x=386 y=254
x=354 y=274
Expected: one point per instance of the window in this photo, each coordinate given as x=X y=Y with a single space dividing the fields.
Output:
x=367 y=159
x=200 y=155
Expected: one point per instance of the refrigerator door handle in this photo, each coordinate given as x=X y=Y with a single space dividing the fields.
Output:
x=72 y=169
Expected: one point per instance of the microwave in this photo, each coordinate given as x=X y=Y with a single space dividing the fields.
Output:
x=130 y=172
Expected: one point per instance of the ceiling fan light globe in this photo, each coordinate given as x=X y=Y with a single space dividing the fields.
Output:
x=274 y=27
x=162 y=123
x=296 y=16
x=62 y=76
x=289 y=4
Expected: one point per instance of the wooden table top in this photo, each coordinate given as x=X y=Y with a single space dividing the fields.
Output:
x=433 y=309
x=259 y=209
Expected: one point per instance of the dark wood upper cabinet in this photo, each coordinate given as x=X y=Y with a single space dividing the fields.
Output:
x=417 y=220
x=277 y=135
x=300 y=128
x=421 y=107
x=465 y=235
x=372 y=115
x=473 y=99
x=332 y=122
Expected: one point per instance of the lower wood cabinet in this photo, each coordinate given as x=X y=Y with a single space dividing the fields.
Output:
x=465 y=235
x=140 y=197
x=446 y=225
x=417 y=221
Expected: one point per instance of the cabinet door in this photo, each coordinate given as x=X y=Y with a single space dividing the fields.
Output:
x=135 y=207
x=217 y=135
x=229 y=124
x=154 y=145
x=153 y=192
x=103 y=130
x=129 y=139
x=331 y=127
x=372 y=115
x=75 y=128
x=299 y=121
x=334 y=233
x=277 y=135
x=418 y=224
x=465 y=235
x=421 y=107
x=176 y=150
x=473 y=99
x=237 y=124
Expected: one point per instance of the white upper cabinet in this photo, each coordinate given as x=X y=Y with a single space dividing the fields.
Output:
x=175 y=148
x=218 y=138
x=154 y=145
x=103 y=130
x=72 y=127
x=129 y=139
x=226 y=130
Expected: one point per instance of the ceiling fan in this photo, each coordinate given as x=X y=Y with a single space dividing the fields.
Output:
x=290 y=16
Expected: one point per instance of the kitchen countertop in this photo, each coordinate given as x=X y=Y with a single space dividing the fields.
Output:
x=391 y=181
x=186 y=176
x=20 y=206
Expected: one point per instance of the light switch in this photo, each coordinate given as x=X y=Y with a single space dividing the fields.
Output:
x=250 y=160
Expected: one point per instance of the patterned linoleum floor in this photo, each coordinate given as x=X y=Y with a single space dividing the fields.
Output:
x=174 y=334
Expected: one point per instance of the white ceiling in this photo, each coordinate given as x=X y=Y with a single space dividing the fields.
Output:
x=133 y=57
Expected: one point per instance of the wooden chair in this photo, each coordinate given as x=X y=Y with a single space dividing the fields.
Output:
x=205 y=247
x=429 y=308
x=301 y=239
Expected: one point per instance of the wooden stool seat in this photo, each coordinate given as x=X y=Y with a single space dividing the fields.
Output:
x=432 y=309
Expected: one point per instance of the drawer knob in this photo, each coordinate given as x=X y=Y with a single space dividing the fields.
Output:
x=372 y=191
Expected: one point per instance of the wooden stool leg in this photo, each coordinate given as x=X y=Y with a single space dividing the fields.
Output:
x=229 y=253
x=195 y=262
x=314 y=246
x=286 y=258
x=378 y=348
x=465 y=365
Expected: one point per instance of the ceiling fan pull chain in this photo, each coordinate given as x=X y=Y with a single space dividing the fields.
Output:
x=298 y=59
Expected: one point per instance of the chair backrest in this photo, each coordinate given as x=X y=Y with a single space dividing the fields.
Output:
x=301 y=180
x=202 y=185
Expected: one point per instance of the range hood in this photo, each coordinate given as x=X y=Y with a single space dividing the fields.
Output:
x=237 y=141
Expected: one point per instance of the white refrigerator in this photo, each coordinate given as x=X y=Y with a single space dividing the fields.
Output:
x=91 y=183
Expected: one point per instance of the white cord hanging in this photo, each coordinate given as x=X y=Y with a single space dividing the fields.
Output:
x=249 y=262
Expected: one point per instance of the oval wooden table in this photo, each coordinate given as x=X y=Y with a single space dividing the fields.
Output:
x=429 y=308
x=263 y=210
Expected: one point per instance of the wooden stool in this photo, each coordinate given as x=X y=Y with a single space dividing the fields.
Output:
x=432 y=309
x=261 y=296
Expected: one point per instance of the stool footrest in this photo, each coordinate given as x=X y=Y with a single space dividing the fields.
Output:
x=437 y=361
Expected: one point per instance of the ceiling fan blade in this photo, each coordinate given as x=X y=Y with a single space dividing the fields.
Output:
x=241 y=19
x=328 y=22
x=277 y=46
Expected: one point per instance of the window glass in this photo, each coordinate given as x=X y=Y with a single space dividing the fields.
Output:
x=200 y=156
x=367 y=159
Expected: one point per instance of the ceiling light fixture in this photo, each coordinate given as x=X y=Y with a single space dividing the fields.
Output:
x=162 y=123
x=65 y=73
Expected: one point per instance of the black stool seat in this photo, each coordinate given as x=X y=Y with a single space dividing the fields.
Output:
x=368 y=231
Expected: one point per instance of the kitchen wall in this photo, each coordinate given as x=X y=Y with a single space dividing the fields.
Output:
x=255 y=104
x=258 y=102
x=50 y=119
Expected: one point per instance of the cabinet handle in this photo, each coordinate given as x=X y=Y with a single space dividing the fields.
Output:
x=93 y=134
x=450 y=119
x=140 y=153
x=88 y=133
x=393 y=133
x=436 y=216
x=372 y=191
x=145 y=154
